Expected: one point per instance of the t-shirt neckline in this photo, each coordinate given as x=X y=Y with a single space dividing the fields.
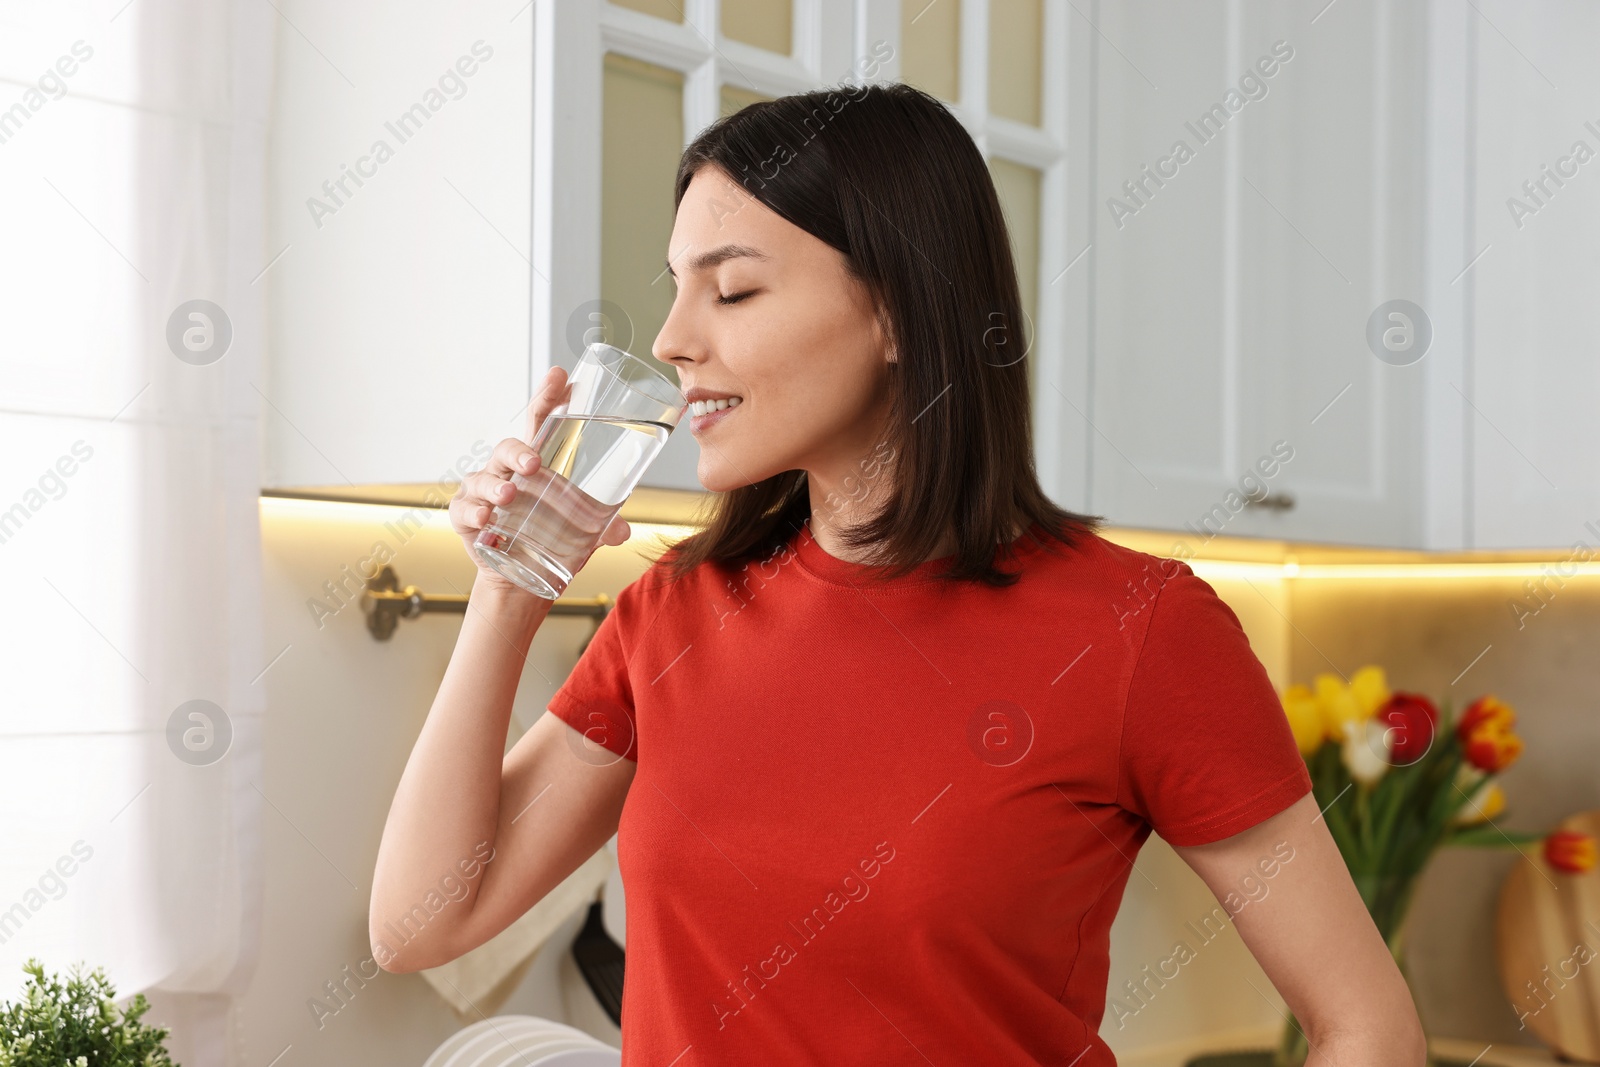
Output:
x=816 y=560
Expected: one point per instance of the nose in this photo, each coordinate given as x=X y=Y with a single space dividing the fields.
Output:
x=676 y=343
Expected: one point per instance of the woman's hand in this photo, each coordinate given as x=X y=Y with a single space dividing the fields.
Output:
x=481 y=491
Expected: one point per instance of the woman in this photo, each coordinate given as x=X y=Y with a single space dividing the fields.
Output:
x=881 y=743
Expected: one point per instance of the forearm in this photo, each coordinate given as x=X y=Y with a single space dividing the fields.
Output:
x=446 y=806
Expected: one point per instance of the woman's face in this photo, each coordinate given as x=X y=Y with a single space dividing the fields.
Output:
x=801 y=346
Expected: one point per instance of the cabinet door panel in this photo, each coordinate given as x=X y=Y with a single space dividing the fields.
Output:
x=1159 y=402
x=1231 y=359
x=397 y=295
x=1535 y=381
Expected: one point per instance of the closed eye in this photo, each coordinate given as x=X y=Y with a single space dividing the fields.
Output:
x=735 y=298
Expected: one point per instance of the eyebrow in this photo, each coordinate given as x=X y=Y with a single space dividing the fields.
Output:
x=721 y=254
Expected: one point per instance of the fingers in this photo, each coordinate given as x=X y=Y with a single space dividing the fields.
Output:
x=489 y=489
x=553 y=391
x=468 y=516
x=469 y=511
x=511 y=455
x=617 y=533
x=479 y=492
x=491 y=486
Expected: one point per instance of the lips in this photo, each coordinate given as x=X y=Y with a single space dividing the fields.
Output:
x=709 y=406
x=711 y=415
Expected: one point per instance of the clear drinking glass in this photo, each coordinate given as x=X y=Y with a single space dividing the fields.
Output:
x=593 y=449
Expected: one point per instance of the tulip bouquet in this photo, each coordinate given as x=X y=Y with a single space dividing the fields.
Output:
x=1397 y=778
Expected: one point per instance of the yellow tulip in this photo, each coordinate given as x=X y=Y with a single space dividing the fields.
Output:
x=1486 y=803
x=1339 y=704
x=1305 y=718
x=1371 y=688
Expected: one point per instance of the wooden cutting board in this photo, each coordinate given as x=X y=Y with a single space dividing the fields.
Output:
x=1547 y=946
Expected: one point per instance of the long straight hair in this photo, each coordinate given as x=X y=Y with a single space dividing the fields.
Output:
x=887 y=175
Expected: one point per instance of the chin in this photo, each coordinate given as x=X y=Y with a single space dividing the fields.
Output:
x=719 y=476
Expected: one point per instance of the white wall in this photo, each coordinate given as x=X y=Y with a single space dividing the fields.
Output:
x=343 y=713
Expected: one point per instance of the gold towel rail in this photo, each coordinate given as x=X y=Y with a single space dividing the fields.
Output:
x=385 y=603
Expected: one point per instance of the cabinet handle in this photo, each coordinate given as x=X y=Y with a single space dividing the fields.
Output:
x=1271 y=501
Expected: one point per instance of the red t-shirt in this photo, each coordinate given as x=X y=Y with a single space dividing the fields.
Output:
x=892 y=825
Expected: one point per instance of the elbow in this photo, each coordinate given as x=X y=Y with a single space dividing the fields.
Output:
x=385 y=953
x=394 y=946
x=407 y=959
x=406 y=950
x=1417 y=1042
x=1407 y=1044
x=1411 y=1041
x=1397 y=1040
x=387 y=958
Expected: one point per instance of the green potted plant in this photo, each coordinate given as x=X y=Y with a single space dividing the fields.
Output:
x=77 y=1025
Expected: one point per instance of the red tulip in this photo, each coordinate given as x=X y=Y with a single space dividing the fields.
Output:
x=1570 y=851
x=1411 y=719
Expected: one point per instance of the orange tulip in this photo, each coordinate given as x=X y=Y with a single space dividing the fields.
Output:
x=1570 y=851
x=1490 y=751
x=1486 y=710
x=1486 y=736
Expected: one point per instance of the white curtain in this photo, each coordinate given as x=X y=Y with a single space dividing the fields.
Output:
x=132 y=144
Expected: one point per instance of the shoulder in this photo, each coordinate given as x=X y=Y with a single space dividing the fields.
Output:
x=1126 y=577
x=1147 y=600
x=1121 y=563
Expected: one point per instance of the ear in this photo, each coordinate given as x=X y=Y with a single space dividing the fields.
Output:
x=885 y=331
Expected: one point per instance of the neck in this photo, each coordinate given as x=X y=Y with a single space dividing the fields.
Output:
x=848 y=493
x=833 y=509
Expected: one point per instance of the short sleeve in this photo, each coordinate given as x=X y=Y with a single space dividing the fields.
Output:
x=597 y=697
x=1206 y=748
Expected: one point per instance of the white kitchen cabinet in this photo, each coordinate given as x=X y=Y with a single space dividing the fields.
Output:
x=1534 y=383
x=1409 y=152
x=1232 y=296
x=398 y=281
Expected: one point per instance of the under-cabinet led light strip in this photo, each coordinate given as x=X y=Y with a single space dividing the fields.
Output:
x=1556 y=568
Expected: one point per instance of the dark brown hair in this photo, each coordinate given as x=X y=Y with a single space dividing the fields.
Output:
x=886 y=175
